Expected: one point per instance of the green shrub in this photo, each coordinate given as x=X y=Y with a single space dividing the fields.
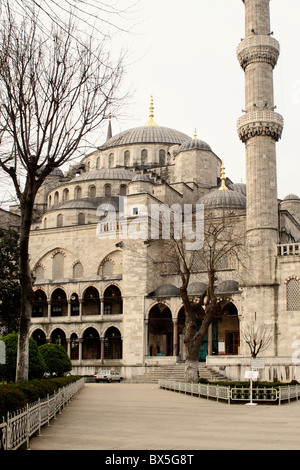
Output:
x=10 y=400
x=56 y=359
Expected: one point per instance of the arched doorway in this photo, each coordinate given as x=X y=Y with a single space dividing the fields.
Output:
x=112 y=299
x=160 y=331
x=112 y=344
x=230 y=329
x=91 y=344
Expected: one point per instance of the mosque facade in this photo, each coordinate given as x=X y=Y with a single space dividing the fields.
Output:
x=98 y=294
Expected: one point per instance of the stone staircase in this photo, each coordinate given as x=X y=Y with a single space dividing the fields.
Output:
x=175 y=372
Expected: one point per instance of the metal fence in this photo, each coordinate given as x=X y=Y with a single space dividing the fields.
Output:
x=19 y=426
x=235 y=394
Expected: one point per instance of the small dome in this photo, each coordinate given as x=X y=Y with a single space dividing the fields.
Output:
x=196 y=288
x=291 y=197
x=239 y=187
x=223 y=199
x=106 y=174
x=167 y=290
x=227 y=287
x=193 y=144
x=142 y=177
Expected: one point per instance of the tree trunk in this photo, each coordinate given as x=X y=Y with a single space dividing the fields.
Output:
x=191 y=370
x=22 y=368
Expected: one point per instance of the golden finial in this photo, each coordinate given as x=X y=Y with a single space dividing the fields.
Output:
x=223 y=179
x=151 y=115
x=195 y=134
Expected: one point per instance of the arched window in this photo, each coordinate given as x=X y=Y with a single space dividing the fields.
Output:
x=39 y=337
x=81 y=218
x=91 y=301
x=92 y=191
x=293 y=294
x=58 y=336
x=59 y=304
x=39 y=273
x=74 y=305
x=78 y=192
x=58 y=266
x=40 y=304
x=107 y=190
x=60 y=220
x=123 y=190
x=98 y=163
x=162 y=157
x=56 y=197
x=45 y=222
x=144 y=157
x=111 y=160
x=50 y=201
x=107 y=269
x=127 y=158
x=113 y=304
x=77 y=271
x=65 y=194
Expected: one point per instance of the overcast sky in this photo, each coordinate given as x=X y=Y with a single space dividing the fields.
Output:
x=184 y=54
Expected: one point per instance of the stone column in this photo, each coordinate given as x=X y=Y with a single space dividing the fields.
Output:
x=175 y=337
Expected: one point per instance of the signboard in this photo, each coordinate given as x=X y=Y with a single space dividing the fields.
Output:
x=251 y=374
x=257 y=363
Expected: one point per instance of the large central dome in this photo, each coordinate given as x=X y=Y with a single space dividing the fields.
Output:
x=147 y=135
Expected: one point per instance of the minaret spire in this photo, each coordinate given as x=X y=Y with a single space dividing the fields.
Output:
x=151 y=122
x=259 y=129
x=109 y=129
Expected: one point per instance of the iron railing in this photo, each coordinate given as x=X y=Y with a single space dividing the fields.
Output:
x=19 y=426
x=278 y=395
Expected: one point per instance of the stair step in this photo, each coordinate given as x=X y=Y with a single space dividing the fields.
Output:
x=176 y=372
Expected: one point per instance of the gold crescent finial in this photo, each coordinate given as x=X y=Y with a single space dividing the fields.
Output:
x=223 y=179
x=195 y=134
x=151 y=114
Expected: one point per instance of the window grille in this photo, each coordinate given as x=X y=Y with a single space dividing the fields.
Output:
x=293 y=295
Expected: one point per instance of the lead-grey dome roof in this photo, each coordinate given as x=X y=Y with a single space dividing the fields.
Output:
x=106 y=174
x=166 y=290
x=146 y=135
x=224 y=199
x=291 y=197
x=194 y=144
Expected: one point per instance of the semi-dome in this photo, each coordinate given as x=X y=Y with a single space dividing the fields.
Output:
x=223 y=199
x=142 y=177
x=196 y=288
x=106 y=174
x=227 y=287
x=166 y=290
x=146 y=135
x=74 y=204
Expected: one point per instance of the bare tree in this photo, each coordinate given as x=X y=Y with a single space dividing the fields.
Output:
x=257 y=336
x=54 y=92
x=223 y=245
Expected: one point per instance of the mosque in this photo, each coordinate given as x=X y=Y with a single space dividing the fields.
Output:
x=96 y=292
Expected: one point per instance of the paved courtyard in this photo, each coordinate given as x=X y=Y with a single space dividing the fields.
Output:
x=143 y=417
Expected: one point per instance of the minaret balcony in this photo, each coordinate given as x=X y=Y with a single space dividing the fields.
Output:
x=260 y=123
x=258 y=48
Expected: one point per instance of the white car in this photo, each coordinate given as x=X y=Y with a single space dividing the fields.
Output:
x=107 y=376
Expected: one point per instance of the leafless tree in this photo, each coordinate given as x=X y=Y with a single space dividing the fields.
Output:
x=54 y=92
x=223 y=246
x=258 y=336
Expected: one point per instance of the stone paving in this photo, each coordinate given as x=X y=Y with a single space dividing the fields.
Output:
x=143 y=417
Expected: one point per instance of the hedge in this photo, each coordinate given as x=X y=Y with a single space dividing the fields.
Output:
x=255 y=384
x=15 y=396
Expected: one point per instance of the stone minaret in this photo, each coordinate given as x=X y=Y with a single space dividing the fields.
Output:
x=260 y=128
